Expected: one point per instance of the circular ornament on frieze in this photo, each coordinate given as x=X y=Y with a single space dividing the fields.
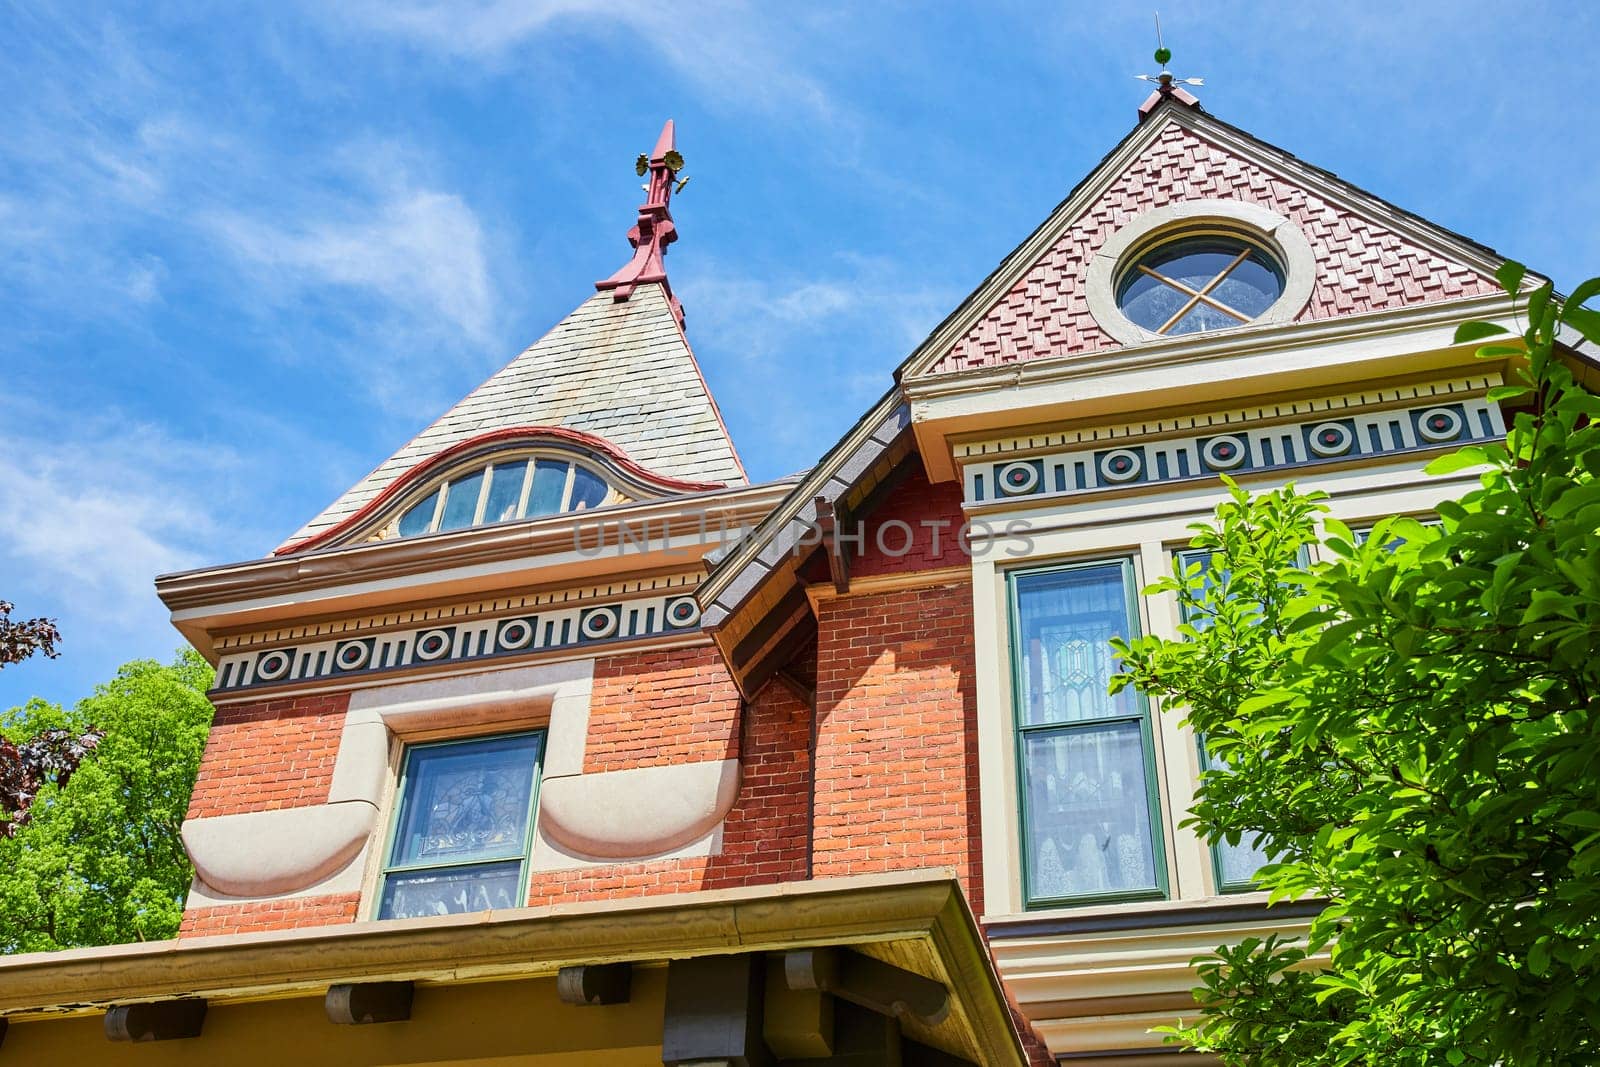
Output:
x=514 y=634
x=1019 y=478
x=435 y=644
x=274 y=665
x=683 y=612
x=600 y=623
x=1122 y=465
x=1223 y=453
x=1331 y=439
x=1438 y=425
x=352 y=655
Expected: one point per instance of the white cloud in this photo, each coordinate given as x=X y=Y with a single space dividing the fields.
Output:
x=86 y=522
x=732 y=52
x=418 y=249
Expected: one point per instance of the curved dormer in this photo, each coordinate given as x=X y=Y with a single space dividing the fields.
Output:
x=522 y=472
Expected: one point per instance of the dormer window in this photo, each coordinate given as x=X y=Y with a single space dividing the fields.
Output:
x=522 y=487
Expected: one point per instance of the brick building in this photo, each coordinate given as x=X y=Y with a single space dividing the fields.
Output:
x=556 y=740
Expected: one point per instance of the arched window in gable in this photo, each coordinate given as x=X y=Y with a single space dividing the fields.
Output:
x=525 y=485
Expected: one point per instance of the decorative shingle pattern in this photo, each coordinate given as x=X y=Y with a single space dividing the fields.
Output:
x=619 y=370
x=1361 y=264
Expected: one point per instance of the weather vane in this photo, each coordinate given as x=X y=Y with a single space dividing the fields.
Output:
x=1165 y=81
x=674 y=163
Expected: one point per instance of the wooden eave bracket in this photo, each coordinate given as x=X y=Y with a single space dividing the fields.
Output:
x=362 y=1003
x=595 y=983
x=868 y=983
x=160 y=1020
x=827 y=519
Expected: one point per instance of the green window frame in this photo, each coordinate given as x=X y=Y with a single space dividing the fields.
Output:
x=1089 y=833
x=461 y=832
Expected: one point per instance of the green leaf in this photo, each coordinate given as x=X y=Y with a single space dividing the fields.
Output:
x=1471 y=456
x=1476 y=331
x=1584 y=321
x=1508 y=392
x=1510 y=276
x=1580 y=296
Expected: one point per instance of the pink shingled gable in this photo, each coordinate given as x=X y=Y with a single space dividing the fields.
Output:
x=1362 y=265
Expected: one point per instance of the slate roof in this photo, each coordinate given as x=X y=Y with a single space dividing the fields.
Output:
x=621 y=370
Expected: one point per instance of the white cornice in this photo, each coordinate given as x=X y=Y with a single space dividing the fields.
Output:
x=576 y=549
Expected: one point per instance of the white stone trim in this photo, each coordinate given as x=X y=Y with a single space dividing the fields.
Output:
x=322 y=848
x=633 y=814
x=1282 y=238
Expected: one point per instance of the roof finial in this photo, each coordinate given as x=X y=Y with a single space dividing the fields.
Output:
x=1166 y=84
x=654 y=231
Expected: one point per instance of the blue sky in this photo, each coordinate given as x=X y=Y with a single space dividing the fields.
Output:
x=245 y=252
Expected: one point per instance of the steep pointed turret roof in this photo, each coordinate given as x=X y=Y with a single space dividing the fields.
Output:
x=619 y=367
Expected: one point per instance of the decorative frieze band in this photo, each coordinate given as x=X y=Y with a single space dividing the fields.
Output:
x=459 y=612
x=1236 y=450
x=461 y=640
x=1038 y=440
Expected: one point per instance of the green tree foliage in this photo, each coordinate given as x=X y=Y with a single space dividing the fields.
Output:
x=1412 y=729
x=100 y=862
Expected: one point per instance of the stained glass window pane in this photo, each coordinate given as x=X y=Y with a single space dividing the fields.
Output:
x=461 y=502
x=505 y=491
x=549 y=484
x=420 y=518
x=588 y=489
x=1089 y=818
x=1067 y=620
x=466 y=801
x=451 y=891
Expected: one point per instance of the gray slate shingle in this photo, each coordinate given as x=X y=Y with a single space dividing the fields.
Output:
x=621 y=371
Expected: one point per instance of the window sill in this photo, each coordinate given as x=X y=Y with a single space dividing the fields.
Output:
x=1147 y=914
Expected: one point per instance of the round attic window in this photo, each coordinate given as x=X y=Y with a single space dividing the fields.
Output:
x=1198 y=283
x=1198 y=266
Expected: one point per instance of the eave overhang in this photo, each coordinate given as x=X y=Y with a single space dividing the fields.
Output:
x=754 y=601
x=654 y=536
x=905 y=917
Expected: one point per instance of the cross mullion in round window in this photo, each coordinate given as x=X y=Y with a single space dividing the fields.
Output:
x=1200 y=283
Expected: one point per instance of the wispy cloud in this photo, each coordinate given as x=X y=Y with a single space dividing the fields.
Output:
x=111 y=177
x=86 y=521
x=418 y=249
x=848 y=325
x=733 y=53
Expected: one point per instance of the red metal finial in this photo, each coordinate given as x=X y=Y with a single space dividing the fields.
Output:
x=654 y=231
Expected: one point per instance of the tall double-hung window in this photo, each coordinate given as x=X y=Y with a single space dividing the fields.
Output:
x=463 y=827
x=1235 y=863
x=1090 y=822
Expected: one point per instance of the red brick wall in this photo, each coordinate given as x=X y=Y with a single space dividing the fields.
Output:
x=672 y=706
x=764 y=839
x=270 y=915
x=916 y=528
x=897 y=746
x=270 y=754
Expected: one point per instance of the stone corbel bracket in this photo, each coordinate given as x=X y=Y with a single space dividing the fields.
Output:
x=584 y=819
